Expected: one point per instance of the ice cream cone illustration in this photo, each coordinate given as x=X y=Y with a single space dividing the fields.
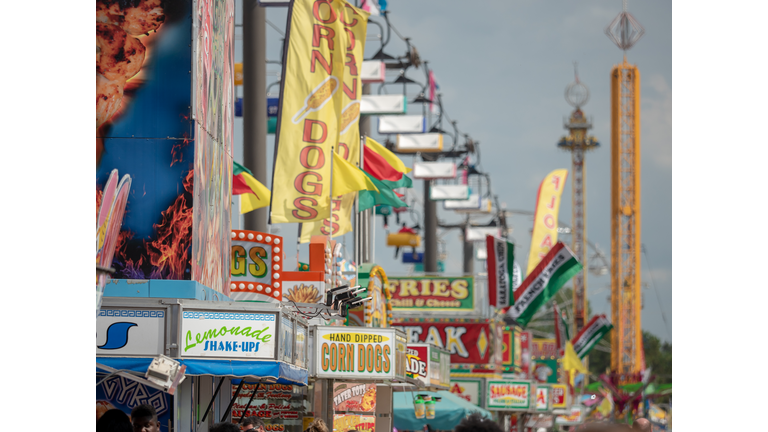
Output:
x=318 y=98
x=349 y=116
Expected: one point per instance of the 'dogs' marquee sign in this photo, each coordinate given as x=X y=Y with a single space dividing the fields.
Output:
x=346 y=352
x=256 y=265
x=228 y=334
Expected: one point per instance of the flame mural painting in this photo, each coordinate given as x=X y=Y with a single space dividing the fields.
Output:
x=177 y=219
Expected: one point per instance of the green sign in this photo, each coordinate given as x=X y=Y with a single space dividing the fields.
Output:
x=432 y=293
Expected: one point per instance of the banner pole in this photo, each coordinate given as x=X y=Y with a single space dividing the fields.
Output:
x=330 y=226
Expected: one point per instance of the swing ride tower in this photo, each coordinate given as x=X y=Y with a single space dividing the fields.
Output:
x=578 y=144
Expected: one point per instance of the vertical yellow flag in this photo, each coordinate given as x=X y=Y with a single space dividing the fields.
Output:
x=356 y=25
x=311 y=108
x=545 y=219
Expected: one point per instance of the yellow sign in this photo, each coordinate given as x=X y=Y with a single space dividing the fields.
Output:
x=320 y=67
x=545 y=219
x=238 y=74
x=349 y=132
x=350 y=422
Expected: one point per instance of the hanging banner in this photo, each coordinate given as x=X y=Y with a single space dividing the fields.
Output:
x=544 y=364
x=355 y=25
x=501 y=258
x=508 y=395
x=590 y=335
x=354 y=397
x=545 y=218
x=429 y=293
x=312 y=110
x=557 y=268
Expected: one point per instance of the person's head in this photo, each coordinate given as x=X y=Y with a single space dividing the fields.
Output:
x=641 y=424
x=253 y=423
x=144 y=418
x=224 y=427
x=318 y=425
x=477 y=423
x=114 y=420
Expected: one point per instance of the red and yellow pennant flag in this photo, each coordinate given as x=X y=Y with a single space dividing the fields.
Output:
x=356 y=25
x=253 y=194
x=313 y=113
x=381 y=163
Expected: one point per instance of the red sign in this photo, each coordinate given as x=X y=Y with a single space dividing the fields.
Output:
x=468 y=343
x=507 y=350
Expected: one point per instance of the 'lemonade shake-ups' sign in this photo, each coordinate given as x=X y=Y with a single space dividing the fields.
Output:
x=227 y=334
x=355 y=353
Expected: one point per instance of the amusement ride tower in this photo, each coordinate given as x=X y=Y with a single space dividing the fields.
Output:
x=626 y=339
x=578 y=143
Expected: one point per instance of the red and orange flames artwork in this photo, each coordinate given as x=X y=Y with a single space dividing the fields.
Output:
x=168 y=252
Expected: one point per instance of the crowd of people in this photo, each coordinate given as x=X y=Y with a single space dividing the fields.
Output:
x=144 y=419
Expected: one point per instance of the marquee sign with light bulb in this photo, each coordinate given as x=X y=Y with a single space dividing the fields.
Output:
x=256 y=266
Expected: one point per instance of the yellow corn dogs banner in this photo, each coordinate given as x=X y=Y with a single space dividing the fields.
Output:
x=318 y=56
x=545 y=219
x=356 y=25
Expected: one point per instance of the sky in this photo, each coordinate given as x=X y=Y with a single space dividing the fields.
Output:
x=503 y=67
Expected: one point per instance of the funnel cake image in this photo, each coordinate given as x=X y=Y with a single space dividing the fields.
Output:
x=119 y=54
x=318 y=98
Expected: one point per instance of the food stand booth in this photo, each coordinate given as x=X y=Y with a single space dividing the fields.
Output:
x=218 y=344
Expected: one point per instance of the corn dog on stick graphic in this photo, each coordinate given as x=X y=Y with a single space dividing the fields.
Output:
x=318 y=98
x=349 y=116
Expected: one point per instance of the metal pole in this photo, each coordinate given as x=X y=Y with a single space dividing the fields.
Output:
x=210 y=404
x=232 y=402
x=468 y=251
x=245 y=411
x=365 y=218
x=430 y=230
x=255 y=103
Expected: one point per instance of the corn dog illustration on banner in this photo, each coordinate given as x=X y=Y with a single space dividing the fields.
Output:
x=318 y=98
x=356 y=25
x=313 y=88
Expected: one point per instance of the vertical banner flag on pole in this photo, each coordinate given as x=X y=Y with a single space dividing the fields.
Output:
x=501 y=258
x=590 y=335
x=555 y=269
x=559 y=339
x=355 y=25
x=545 y=218
x=310 y=117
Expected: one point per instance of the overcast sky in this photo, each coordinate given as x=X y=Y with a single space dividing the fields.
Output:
x=502 y=67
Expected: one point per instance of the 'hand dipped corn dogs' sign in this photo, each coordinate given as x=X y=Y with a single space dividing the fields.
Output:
x=348 y=352
x=320 y=107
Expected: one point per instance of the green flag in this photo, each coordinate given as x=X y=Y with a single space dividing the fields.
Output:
x=368 y=199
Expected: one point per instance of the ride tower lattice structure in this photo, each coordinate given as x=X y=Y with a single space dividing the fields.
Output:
x=626 y=303
x=578 y=143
